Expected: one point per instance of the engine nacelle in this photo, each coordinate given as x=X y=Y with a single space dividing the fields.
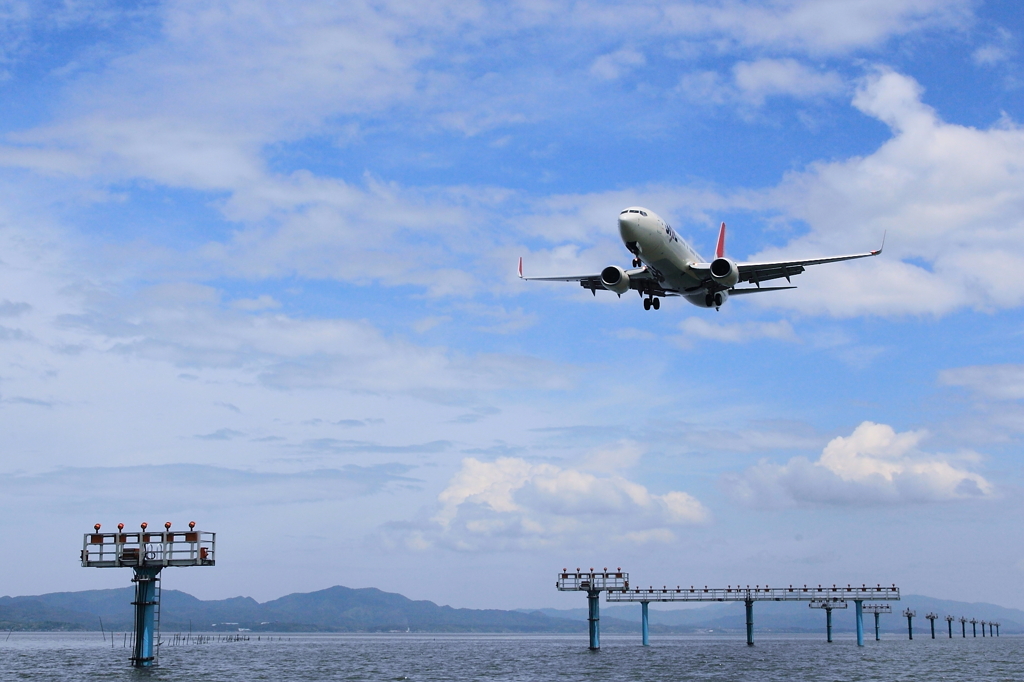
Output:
x=614 y=278
x=725 y=272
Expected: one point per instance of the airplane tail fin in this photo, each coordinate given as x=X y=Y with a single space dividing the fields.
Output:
x=720 y=249
x=520 y=267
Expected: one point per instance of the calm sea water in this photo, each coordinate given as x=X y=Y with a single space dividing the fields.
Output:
x=84 y=656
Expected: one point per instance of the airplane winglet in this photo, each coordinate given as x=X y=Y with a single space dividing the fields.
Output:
x=520 y=267
x=879 y=250
x=720 y=249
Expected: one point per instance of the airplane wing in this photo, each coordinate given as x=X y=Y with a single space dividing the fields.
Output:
x=642 y=279
x=755 y=273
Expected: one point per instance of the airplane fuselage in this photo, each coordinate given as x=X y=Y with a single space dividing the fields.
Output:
x=660 y=248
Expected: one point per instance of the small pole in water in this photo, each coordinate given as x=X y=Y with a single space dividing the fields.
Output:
x=644 y=628
x=102 y=633
x=910 y=622
x=931 y=618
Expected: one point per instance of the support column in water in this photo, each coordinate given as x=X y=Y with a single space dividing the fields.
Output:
x=949 y=622
x=644 y=629
x=859 y=605
x=594 y=602
x=145 y=603
x=749 y=603
x=828 y=624
x=877 y=615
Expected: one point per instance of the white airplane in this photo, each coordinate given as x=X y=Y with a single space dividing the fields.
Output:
x=665 y=265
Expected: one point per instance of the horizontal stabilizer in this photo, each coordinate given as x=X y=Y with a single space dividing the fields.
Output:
x=754 y=290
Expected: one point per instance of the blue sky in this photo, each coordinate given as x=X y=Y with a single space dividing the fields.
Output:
x=257 y=270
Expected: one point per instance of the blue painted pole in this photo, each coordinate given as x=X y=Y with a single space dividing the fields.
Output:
x=877 y=615
x=644 y=629
x=594 y=602
x=860 y=621
x=828 y=624
x=750 y=621
x=145 y=615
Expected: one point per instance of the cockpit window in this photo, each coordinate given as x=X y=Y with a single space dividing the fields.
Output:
x=626 y=211
x=643 y=213
x=633 y=210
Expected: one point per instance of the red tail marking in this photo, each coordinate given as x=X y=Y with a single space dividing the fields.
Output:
x=720 y=249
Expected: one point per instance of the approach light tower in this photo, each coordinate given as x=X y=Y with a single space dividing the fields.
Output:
x=147 y=554
x=949 y=622
x=910 y=622
x=593 y=583
x=877 y=609
x=828 y=605
x=931 y=617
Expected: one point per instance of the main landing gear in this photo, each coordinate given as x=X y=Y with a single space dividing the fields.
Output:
x=652 y=302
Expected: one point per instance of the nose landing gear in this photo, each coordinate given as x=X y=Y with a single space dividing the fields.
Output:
x=637 y=263
x=652 y=302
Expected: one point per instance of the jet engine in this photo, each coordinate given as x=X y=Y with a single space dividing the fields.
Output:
x=725 y=272
x=614 y=278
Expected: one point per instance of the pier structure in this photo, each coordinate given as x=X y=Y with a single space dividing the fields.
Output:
x=878 y=610
x=990 y=629
x=963 y=626
x=982 y=628
x=594 y=583
x=748 y=595
x=910 y=622
x=974 y=625
x=931 y=617
x=828 y=606
x=949 y=622
x=147 y=553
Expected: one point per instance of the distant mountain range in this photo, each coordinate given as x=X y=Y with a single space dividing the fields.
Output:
x=342 y=609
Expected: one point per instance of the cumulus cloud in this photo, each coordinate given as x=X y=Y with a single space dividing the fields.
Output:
x=513 y=502
x=949 y=196
x=873 y=465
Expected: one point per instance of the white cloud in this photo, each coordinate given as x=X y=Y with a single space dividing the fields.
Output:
x=616 y=64
x=261 y=302
x=511 y=501
x=873 y=465
x=998 y=382
x=949 y=196
x=812 y=26
x=758 y=80
x=997 y=51
x=700 y=328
